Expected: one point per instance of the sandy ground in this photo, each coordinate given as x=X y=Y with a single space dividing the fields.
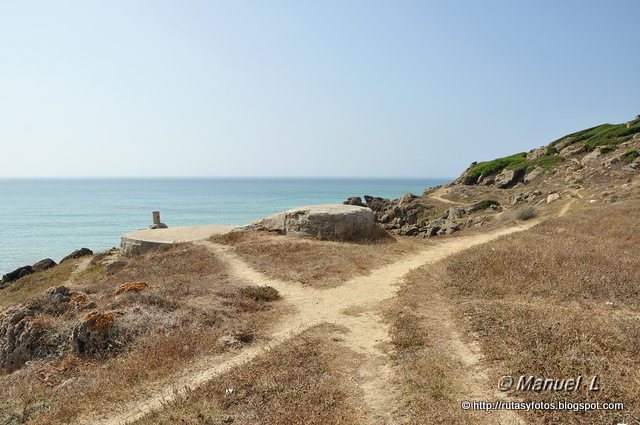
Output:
x=356 y=305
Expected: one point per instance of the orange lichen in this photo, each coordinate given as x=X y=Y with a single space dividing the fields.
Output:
x=131 y=287
x=80 y=299
x=99 y=321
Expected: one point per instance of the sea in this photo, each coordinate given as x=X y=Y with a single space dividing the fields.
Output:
x=49 y=218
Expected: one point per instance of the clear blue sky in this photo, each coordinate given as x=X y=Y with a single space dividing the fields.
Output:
x=301 y=88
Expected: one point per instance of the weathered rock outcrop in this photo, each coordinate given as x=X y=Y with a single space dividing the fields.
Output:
x=43 y=265
x=95 y=334
x=82 y=252
x=15 y=275
x=331 y=222
x=24 y=337
x=23 y=271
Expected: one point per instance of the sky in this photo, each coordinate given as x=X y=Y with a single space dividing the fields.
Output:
x=304 y=88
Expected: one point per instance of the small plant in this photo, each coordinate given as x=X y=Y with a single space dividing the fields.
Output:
x=261 y=293
x=630 y=156
x=526 y=213
x=484 y=204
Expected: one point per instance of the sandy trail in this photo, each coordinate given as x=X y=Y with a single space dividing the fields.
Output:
x=437 y=194
x=367 y=334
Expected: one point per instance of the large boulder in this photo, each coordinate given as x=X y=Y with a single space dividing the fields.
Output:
x=82 y=252
x=332 y=222
x=24 y=336
x=354 y=200
x=533 y=174
x=16 y=274
x=508 y=178
x=43 y=265
x=95 y=334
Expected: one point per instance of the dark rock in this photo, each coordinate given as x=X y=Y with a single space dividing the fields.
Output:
x=17 y=274
x=158 y=226
x=354 y=200
x=43 y=265
x=82 y=252
x=376 y=203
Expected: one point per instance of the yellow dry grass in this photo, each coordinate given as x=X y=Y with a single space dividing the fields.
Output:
x=315 y=262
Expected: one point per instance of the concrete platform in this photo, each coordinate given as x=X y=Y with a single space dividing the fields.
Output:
x=145 y=240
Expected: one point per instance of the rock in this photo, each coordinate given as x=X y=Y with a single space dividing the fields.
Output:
x=537 y=153
x=58 y=294
x=591 y=157
x=486 y=180
x=158 y=226
x=43 y=265
x=533 y=174
x=633 y=166
x=94 y=334
x=82 y=252
x=449 y=227
x=507 y=178
x=354 y=200
x=331 y=222
x=406 y=198
x=229 y=341
x=410 y=230
x=376 y=203
x=453 y=213
x=16 y=274
x=23 y=337
x=519 y=197
x=439 y=226
x=553 y=197
x=573 y=150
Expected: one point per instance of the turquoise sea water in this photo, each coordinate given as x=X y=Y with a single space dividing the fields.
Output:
x=50 y=218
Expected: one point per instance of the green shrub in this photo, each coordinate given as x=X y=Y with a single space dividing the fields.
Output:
x=495 y=166
x=630 y=156
x=484 y=204
x=602 y=135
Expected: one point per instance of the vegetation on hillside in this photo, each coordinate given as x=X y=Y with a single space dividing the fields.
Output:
x=602 y=135
x=518 y=161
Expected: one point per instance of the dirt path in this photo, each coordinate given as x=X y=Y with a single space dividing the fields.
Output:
x=354 y=305
x=437 y=194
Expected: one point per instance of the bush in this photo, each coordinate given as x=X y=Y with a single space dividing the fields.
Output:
x=526 y=213
x=260 y=293
x=483 y=205
x=630 y=156
x=494 y=167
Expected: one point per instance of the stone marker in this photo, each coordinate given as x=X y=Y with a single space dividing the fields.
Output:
x=157 y=224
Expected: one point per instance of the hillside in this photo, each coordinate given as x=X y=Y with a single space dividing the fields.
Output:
x=467 y=283
x=597 y=164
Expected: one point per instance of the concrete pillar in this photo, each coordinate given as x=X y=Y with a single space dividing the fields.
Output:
x=156 y=217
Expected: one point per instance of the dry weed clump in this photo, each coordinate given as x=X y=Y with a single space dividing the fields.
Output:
x=260 y=293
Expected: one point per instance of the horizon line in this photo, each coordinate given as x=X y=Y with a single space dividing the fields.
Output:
x=220 y=177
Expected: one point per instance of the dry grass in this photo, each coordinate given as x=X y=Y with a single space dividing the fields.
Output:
x=314 y=262
x=189 y=302
x=304 y=381
x=32 y=285
x=557 y=301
